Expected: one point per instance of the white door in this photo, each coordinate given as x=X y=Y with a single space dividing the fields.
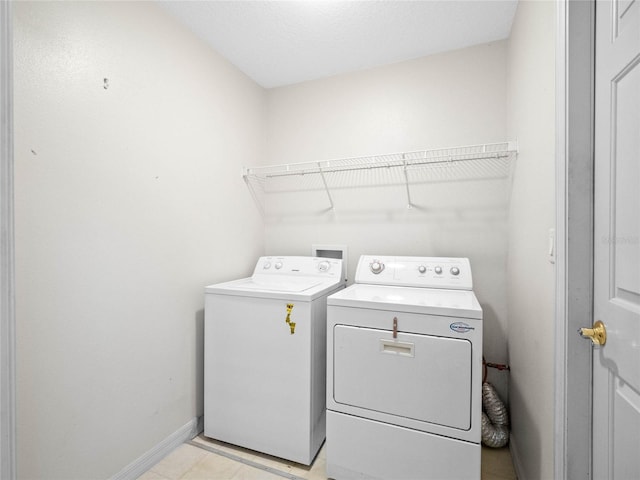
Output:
x=616 y=365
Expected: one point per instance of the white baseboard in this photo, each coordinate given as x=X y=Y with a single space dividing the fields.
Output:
x=515 y=458
x=161 y=450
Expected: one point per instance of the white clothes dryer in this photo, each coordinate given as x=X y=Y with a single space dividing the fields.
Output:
x=404 y=373
x=265 y=357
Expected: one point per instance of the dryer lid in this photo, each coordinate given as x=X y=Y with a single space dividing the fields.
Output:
x=433 y=301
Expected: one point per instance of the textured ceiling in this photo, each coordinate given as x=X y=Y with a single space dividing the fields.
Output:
x=279 y=43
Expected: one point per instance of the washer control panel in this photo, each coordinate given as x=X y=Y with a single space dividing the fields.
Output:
x=428 y=272
x=308 y=266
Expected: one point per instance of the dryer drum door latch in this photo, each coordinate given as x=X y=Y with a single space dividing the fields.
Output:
x=395 y=327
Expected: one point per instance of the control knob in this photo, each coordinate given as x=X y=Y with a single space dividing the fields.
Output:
x=422 y=269
x=455 y=271
x=377 y=267
x=324 y=266
x=266 y=265
x=438 y=270
x=278 y=265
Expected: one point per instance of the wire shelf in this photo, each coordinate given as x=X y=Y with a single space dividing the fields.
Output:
x=437 y=165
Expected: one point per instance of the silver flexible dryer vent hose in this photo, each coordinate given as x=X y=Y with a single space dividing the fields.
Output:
x=495 y=422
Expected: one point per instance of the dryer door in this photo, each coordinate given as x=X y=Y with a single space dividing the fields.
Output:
x=420 y=377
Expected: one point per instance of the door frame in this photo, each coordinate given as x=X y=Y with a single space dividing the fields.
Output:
x=575 y=68
x=7 y=279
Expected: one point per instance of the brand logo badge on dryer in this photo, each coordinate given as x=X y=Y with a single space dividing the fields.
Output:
x=461 y=327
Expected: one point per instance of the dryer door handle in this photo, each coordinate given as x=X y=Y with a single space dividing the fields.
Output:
x=405 y=349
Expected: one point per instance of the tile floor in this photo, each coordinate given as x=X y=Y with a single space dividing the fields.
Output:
x=203 y=458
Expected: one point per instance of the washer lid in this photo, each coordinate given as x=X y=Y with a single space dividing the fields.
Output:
x=301 y=278
x=281 y=283
x=282 y=287
x=433 y=301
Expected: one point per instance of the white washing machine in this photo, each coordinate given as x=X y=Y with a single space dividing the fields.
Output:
x=265 y=357
x=404 y=372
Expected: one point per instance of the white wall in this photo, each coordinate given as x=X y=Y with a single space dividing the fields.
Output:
x=451 y=99
x=129 y=201
x=531 y=119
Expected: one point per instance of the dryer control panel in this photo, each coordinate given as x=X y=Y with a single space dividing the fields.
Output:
x=427 y=272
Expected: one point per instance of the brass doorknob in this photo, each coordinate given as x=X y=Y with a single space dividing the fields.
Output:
x=597 y=334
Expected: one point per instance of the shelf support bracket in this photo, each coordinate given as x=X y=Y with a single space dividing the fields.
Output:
x=406 y=185
x=254 y=194
x=326 y=187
